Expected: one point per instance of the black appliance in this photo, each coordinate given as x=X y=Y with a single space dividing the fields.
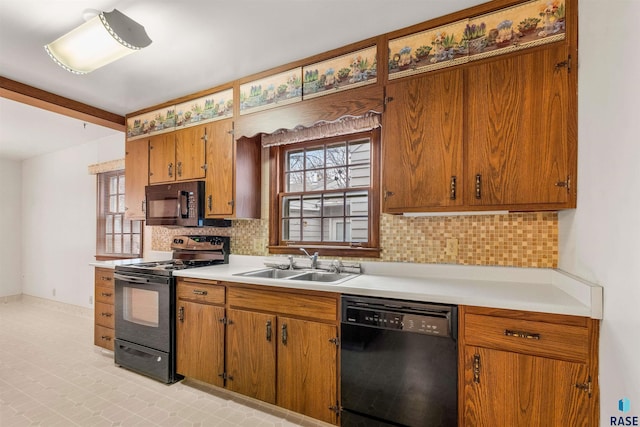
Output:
x=179 y=204
x=145 y=313
x=398 y=362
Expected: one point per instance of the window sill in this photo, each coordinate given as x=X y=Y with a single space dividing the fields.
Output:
x=340 y=251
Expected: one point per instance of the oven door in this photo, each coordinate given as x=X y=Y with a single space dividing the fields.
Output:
x=144 y=313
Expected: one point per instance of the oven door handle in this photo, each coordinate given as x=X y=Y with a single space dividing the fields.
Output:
x=131 y=279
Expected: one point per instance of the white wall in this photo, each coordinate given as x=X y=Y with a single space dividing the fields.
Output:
x=10 y=225
x=59 y=220
x=600 y=240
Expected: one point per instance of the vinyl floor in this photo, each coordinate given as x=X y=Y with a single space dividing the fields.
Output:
x=52 y=375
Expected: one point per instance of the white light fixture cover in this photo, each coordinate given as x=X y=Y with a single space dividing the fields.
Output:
x=99 y=41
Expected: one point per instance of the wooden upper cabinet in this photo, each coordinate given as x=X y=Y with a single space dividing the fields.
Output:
x=136 y=173
x=233 y=173
x=518 y=152
x=190 y=152
x=422 y=143
x=220 y=169
x=162 y=158
x=178 y=155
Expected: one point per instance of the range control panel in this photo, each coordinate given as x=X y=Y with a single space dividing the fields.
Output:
x=432 y=324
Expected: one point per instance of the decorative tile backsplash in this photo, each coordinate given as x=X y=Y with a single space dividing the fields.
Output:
x=513 y=239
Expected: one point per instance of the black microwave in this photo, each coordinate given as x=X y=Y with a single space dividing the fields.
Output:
x=179 y=204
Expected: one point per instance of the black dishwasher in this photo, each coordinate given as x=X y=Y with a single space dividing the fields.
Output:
x=398 y=363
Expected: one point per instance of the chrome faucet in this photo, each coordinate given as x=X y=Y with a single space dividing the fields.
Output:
x=292 y=264
x=313 y=258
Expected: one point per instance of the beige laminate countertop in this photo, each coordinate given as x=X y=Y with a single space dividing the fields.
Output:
x=531 y=289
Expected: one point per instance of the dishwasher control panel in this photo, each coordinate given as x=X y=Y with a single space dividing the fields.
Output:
x=435 y=322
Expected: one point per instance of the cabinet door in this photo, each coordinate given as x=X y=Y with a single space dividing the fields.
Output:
x=509 y=389
x=422 y=143
x=136 y=173
x=517 y=120
x=220 y=169
x=200 y=342
x=251 y=354
x=162 y=158
x=190 y=153
x=307 y=361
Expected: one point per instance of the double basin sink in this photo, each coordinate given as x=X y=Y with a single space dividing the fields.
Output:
x=304 y=275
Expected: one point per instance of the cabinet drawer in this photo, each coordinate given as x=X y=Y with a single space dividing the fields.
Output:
x=103 y=337
x=286 y=303
x=104 y=315
x=105 y=294
x=200 y=292
x=525 y=336
x=104 y=277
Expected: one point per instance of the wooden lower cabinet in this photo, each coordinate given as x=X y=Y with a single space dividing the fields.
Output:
x=527 y=369
x=200 y=331
x=251 y=354
x=278 y=346
x=103 y=334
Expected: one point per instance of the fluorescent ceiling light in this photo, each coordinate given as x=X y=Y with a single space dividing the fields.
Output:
x=102 y=39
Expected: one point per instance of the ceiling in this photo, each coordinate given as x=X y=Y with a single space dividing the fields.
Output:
x=197 y=44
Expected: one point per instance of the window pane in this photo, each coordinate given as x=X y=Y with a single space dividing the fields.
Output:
x=360 y=176
x=126 y=226
x=121 y=203
x=135 y=225
x=126 y=243
x=121 y=184
x=333 y=230
x=336 y=178
x=113 y=185
x=359 y=230
x=360 y=152
x=295 y=160
x=108 y=244
x=113 y=203
x=311 y=205
x=136 y=247
x=108 y=224
x=117 y=244
x=314 y=180
x=336 y=155
x=357 y=204
x=311 y=228
x=295 y=182
x=117 y=224
x=291 y=207
x=291 y=229
x=333 y=205
x=314 y=158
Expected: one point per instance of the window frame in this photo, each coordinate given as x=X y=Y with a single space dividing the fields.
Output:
x=277 y=169
x=102 y=210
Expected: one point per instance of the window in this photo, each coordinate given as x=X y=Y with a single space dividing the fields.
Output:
x=327 y=196
x=117 y=236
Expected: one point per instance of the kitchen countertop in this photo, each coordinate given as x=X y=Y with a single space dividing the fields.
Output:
x=531 y=289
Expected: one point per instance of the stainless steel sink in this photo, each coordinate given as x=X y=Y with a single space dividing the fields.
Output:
x=321 y=276
x=271 y=273
x=303 y=275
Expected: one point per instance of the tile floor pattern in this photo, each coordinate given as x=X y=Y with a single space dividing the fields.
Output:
x=52 y=375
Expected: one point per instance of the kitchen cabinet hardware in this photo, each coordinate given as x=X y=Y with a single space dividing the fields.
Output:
x=170 y=170
x=106 y=278
x=108 y=338
x=225 y=376
x=268 y=326
x=209 y=202
x=181 y=314
x=335 y=341
x=284 y=334
x=335 y=408
x=478 y=186
x=563 y=64
x=565 y=184
x=106 y=314
x=388 y=194
x=586 y=387
x=179 y=169
x=225 y=321
x=521 y=334
x=106 y=294
x=476 y=368
x=199 y=292
x=452 y=189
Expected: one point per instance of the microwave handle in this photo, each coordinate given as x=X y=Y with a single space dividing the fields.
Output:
x=183 y=204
